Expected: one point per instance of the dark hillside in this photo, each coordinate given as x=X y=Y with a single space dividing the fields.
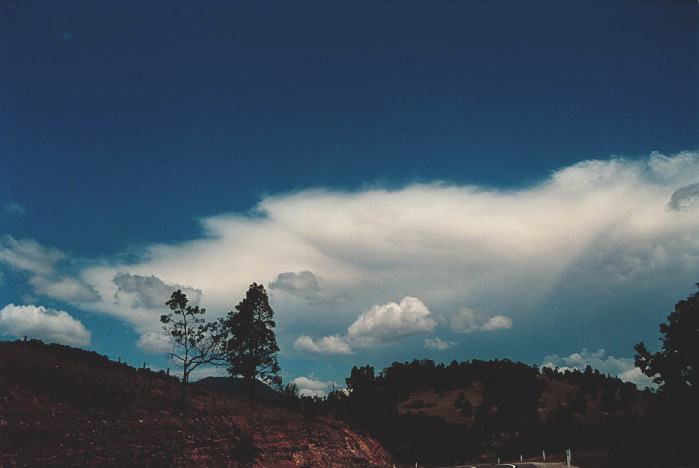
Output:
x=64 y=406
x=481 y=410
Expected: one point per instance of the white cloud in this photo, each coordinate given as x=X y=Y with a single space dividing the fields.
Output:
x=623 y=368
x=379 y=325
x=438 y=343
x=155 y=342
x=64 y=288
x=41 y=264
x=311 y=387
x=28 y=255
x=55 y=326
x=470 y=320
x=391 y=322
x=148 y=292
x=327 y=345
x=603 y=226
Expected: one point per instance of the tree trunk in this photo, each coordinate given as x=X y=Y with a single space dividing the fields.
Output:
x=183 y=389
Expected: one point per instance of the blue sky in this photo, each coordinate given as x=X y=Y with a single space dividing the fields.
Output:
x=429 y=150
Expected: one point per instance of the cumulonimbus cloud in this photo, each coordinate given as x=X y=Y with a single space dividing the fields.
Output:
x=621 y=225
x=54 y=326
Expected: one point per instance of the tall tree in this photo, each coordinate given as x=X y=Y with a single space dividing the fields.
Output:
x=673 y=416
x=251 y=346
x=195 y=342
x=676 y=366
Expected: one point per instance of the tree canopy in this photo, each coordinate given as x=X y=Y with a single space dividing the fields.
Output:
x=251 y=345
x=676 y=366
x=195 y=342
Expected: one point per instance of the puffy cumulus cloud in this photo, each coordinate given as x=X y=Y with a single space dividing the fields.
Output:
x=438 y=343
x=623 y=368
x=391 y=322
x=333 y=344
x=470 y=320
x=148 y=292
x=311 y=387
x=155 y=342
x=378 y=325
x=600 y=225
x=304 y=283
x=55 y=326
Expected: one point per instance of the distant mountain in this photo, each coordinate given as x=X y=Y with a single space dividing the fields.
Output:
x=62 y=406
x=237 y=387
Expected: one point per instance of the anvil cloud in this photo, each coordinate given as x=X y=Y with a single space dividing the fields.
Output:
x=617 y=224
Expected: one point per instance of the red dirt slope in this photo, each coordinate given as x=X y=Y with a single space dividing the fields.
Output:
x=64 y=406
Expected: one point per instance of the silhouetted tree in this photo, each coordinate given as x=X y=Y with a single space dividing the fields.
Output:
x=676 y=369
x=361 y=380
x=251 y=346
x=195 y=342
x=676 y=366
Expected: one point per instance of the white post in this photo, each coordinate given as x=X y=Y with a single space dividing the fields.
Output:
x=569 y=455
x=520 y=458
x=498 y=460
x=543 y=454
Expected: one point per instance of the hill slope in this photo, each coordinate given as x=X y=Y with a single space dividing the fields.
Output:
x=62 y=406
x=480 y=410
x=236 y=387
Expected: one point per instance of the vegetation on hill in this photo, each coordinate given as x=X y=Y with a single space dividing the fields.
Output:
x=243 y=341
x=61 y=405
x=64 y=406
x=436 y=413
x=675 y=368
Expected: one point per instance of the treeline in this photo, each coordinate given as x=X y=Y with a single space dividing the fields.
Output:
x=612 y=393
x=507 y=422
x=601 y=414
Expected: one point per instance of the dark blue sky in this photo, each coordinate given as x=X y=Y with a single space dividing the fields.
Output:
x=138 y=116
x=124 y=122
